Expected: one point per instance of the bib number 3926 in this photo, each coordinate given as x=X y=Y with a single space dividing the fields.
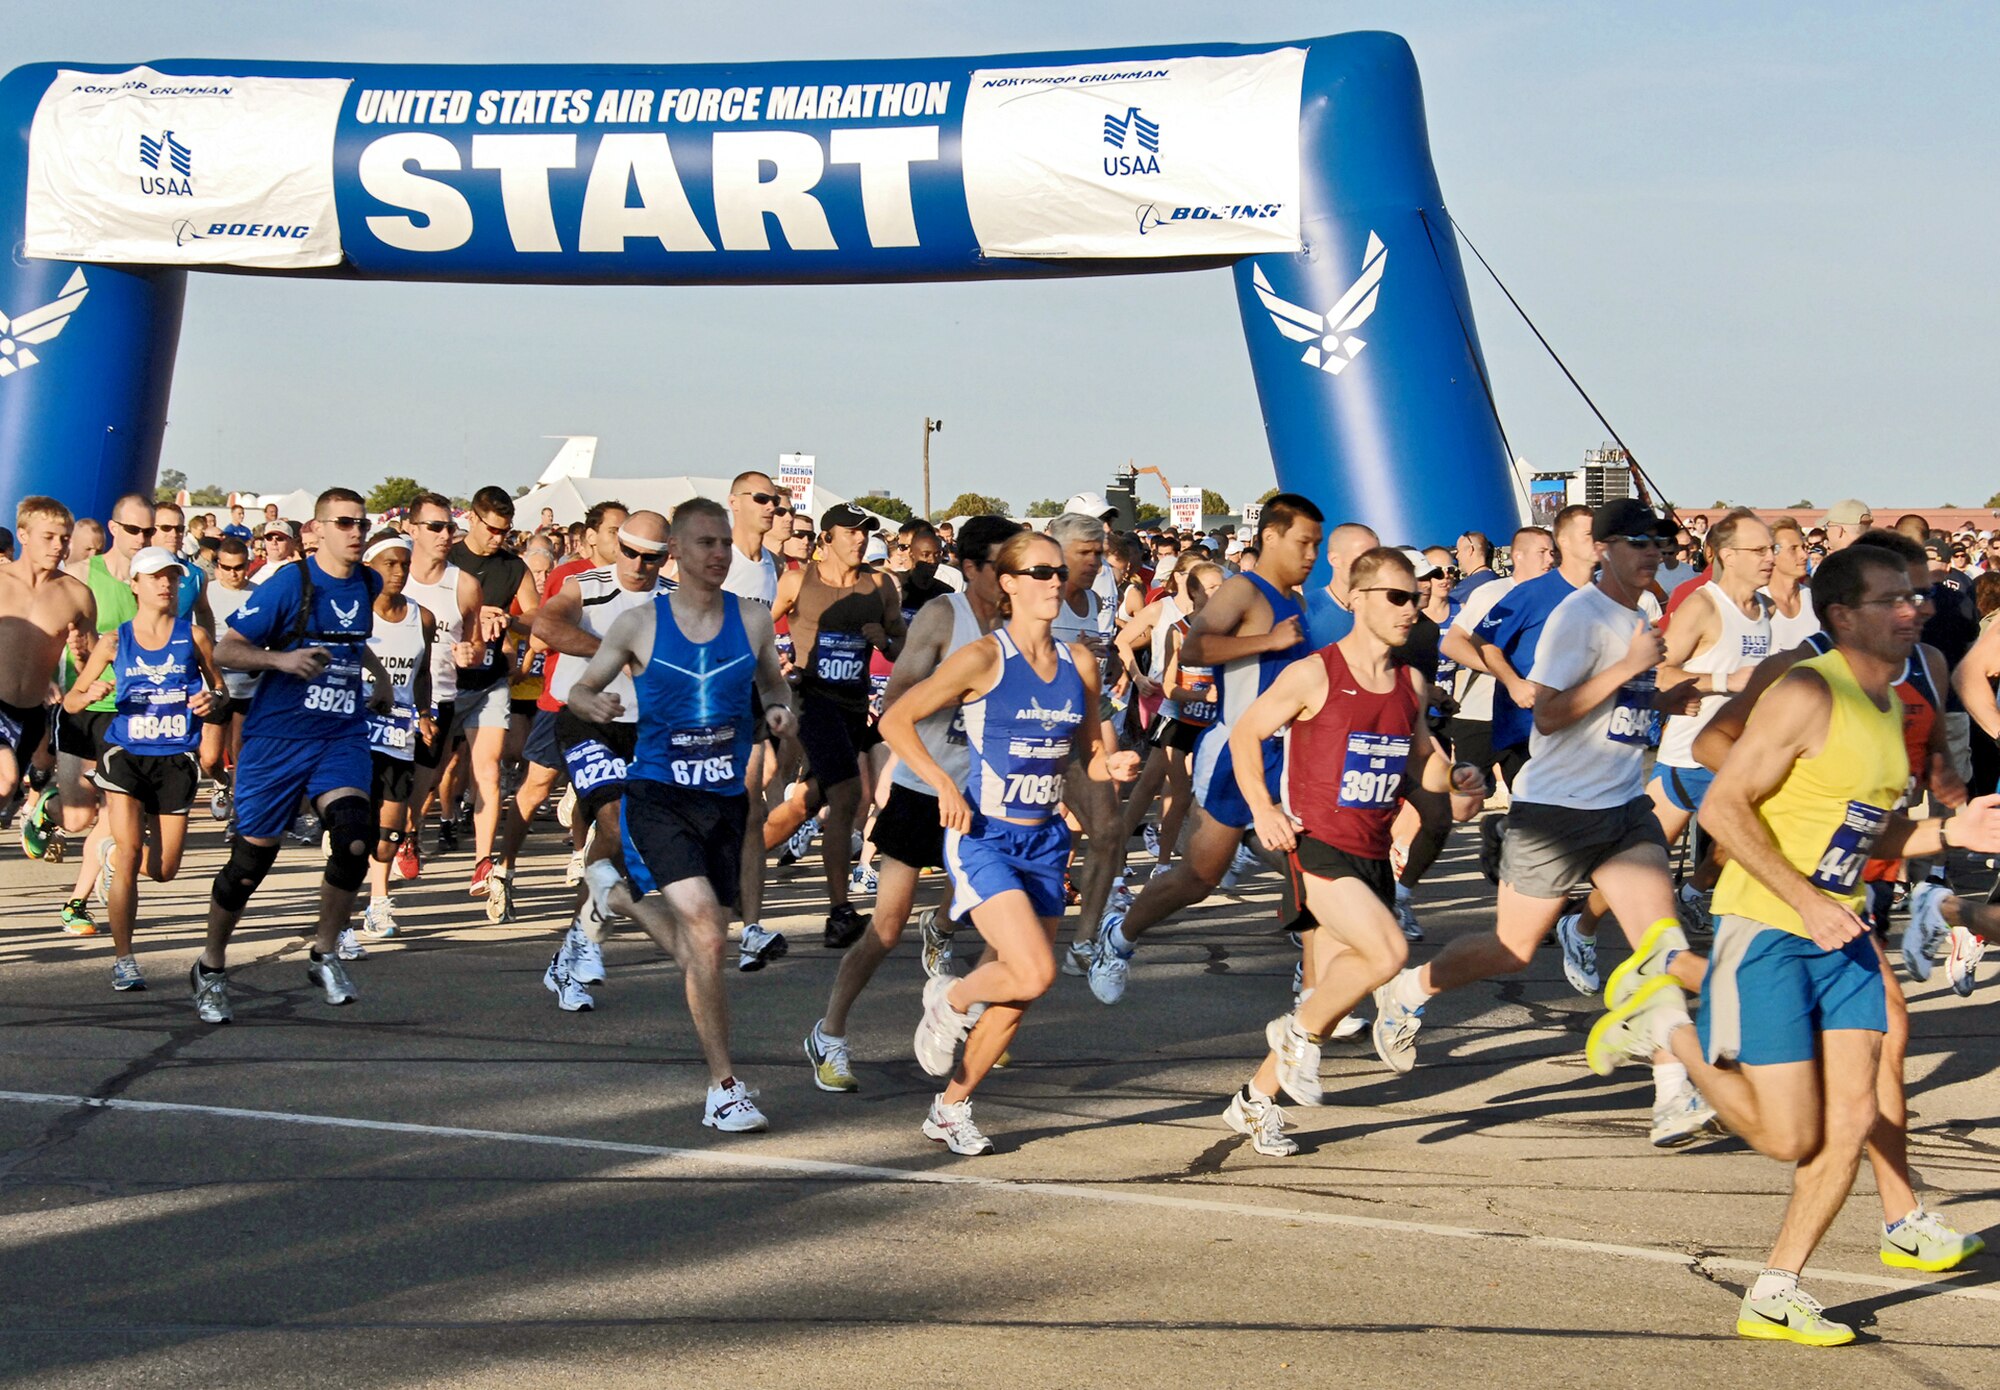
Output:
x=328 y=699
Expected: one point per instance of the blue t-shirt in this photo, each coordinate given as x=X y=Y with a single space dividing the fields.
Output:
x=1326 y=621
x=1515 y=626
x=238 y=530
x=193 y=581
x=1462 y=590
x=334 y=706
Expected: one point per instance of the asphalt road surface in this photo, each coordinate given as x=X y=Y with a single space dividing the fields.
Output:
x=450 y=1182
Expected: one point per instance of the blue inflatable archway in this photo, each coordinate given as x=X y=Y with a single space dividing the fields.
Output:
x=1304 y=166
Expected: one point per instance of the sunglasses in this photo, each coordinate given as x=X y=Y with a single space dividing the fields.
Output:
x=1401 y=598
x=433 y=526
x=232 y=569
x=497 y=526
x=1042 y=573
x=1645 y=542
x=170 y=526
x=134 y=530
x=644 y=557
x=762 y=499
x=345 y=523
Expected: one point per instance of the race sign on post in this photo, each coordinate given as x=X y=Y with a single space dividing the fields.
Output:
x=795 y=475
x=1187 y=508
x=1253 y=512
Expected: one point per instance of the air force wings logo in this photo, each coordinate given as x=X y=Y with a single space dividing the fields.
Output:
x=37 y=326
x=348 y=614
x=1331 y=344
x=156 y=671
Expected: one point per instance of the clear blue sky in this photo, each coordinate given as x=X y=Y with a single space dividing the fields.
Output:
x=1760 y=234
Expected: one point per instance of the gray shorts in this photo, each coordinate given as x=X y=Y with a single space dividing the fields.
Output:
x=491 y=708
x=1550 y=850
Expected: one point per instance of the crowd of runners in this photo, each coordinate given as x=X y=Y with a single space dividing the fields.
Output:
x=1745 y=768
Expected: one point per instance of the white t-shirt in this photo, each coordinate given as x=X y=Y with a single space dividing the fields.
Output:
x=1475 y=688
x=748 y=578
x=1787 y=633
x=1600 y=761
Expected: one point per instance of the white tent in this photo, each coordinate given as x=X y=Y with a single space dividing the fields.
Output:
x=292 y=506
x=569 y=498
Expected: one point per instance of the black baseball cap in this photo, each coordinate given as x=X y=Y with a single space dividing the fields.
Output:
x=850 y=516
x=1628 y=516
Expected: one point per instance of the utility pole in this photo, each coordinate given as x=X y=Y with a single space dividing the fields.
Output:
x=931 y=427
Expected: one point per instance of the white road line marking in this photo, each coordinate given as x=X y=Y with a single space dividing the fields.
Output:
x=1114 y=1195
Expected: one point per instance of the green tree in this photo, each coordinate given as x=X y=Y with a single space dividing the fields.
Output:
x=172 y=480
x=1048 y=506
x=895 y=508
x=1214 y=503
x=1151 y=514
x=1994 y=500
x=1803 y=502
x=972 y=504
x=392 y=492
x=1269 y=493
x=210 y=496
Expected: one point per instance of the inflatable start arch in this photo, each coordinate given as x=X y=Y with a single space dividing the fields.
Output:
x=1304 y=166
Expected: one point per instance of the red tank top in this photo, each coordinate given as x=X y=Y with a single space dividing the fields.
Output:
x=1344 y=767
x=1920 y=715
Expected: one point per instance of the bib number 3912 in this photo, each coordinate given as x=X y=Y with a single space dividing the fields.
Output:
x=1373 y=774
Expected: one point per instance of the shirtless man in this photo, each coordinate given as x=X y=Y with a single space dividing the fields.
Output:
x=42 y=609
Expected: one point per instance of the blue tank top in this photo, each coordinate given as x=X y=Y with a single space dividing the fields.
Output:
x=1244 y=679
x=1019 y=735
x=694 y=704
x=154 y=686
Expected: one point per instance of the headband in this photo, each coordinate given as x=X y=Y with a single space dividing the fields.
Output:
x=641 y=543
x=386 y=543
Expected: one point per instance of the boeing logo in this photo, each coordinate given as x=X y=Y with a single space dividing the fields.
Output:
x=172 y=164
x=1139 y=131
x=1330 y=335
x=184 y=232
x=37 y=326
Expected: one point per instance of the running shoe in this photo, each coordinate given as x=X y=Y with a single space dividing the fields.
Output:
x=1695 y=908
x=1262 y=1122
x=447 y=836
x=831 y=1070
x=349 y=946
x=951 y=1125
x=801 y=841
x=100 y=887
x=1077 y=956
x=1961 y=963
x=1922 y=1241
x=219 y=804
x=409 y=860
x=1492 y=830
x=1298 y=1060
x=482 y=872
x=864 y=879
x=1245 y=862
x=1298 y=984
x=759 y=947
x=37 y=829
x=936 y=943
x=303 y=830
x=378 y=920
x=566 y=808
x=1579 y=954
x=941 y=1029
x=1927 y=929
x=595 y=917
x=499 y=897
x=76 y=918
x=125 y=976
x=1627 y=1031
x=1150 y=837
x=1648 y=961
x=211 y=994
x=1406 y=914
x=731 y=1110
x=1110 y=968
x=573 y=871
x=1348 y=1027
x=1791 y=1316
x=1681 y=1117
x=586 y=957
x=843 y=927
x=571 y=996
x=1121 y=898
x=330 y=975
x=1395 y=1031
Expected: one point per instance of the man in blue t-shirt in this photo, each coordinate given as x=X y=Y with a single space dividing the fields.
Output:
x=306 y=629
x=236 y=527
x=1329 y=616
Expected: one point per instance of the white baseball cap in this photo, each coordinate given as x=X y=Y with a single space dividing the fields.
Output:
x=1420 y=564
x=153 y=559
x=1090 y=504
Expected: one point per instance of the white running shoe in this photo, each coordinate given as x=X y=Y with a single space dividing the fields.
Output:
x=941 y=1029
x=211 y=994
x=833 y=1068
x=1348 y=1027
x=1396 y=1029
x=572 y=997
x=125 y=975
x=1109 y=967
x=573 y=871
x=602 y=877
x=1298 y=1060
x=937 y=944
x=796 y=848
x=586 y=957
x=1263 y=1122
x=566 y=808
x=378 y=919
x=330 y=975
x=1961 y=963
x=759 y=947
x=1927 y=929
x=499 y=897
x=219 y=804
x=1077 y=958
x=349 y=946
x=952 y=1126
x=1245 y=862
x=1627 y=1032
x=1579 y=954
x=1150 y=836
x=1121 y=899
x=1680 y=1117
x=1406 y=915
x=864 y=879
x=100 y=887
x=731 y=1110
x=1298 y=984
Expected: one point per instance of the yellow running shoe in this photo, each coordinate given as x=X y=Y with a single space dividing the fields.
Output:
x=831 y=1071
x=1922 y=1241
x=1628 y=1033
x=1791 y=1316
x=1647 y=961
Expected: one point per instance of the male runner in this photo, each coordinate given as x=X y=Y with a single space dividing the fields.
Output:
x=1534 y=554
x=839 y=610
x=1580 y=811
x=596 y=753
x=1792 y=616
x=1357 y=721
x=495 y=581
x=307 y=630
x=44 y=613
x=400 y=636
x=696 y=654
x=230 y=591
x=756 y=505
x=434 y=586
x=1329 y=615
x=1251 y=629
x=909 y=837
x=1794 y=1008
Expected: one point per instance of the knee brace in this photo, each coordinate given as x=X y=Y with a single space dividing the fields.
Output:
x=238 y=878
x=388 y=838
x=348 y=833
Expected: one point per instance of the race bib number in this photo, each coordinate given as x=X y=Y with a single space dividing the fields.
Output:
x=1198 y=681
x=1033 y=790
x=1846 y=852
x=395 y=733
x=955 y=731
x=1634 y=720
x=878 y=686
x=840 y=658
x=153 y=728
x=1372 y=776
x=326 y=699
x=592 y=764
x=704 y=757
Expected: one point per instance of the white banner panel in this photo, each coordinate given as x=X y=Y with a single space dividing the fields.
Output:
x=1155 y=157
x=1186 y=508
x=142 y=167
x=795 y=475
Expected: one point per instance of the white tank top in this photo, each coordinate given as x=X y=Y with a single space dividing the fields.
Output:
x=1742 y=642
x=1787 y=633
x=440 y=600
x=397 y=646
x=604 y=598
x=943 y=733
x=1088 y=627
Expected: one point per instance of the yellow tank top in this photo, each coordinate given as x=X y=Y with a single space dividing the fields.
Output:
x=1825 y=815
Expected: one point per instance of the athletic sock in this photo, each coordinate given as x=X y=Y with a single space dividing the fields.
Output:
x=1773 y=1282
x=1889 y=1228
x=1408 y=990
x=1251 y=1093
x=1115 y=939
x=1663 y=1029
x=1668 y=1077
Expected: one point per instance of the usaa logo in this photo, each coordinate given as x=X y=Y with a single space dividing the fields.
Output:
x=171 y=164
x=1132 y=131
